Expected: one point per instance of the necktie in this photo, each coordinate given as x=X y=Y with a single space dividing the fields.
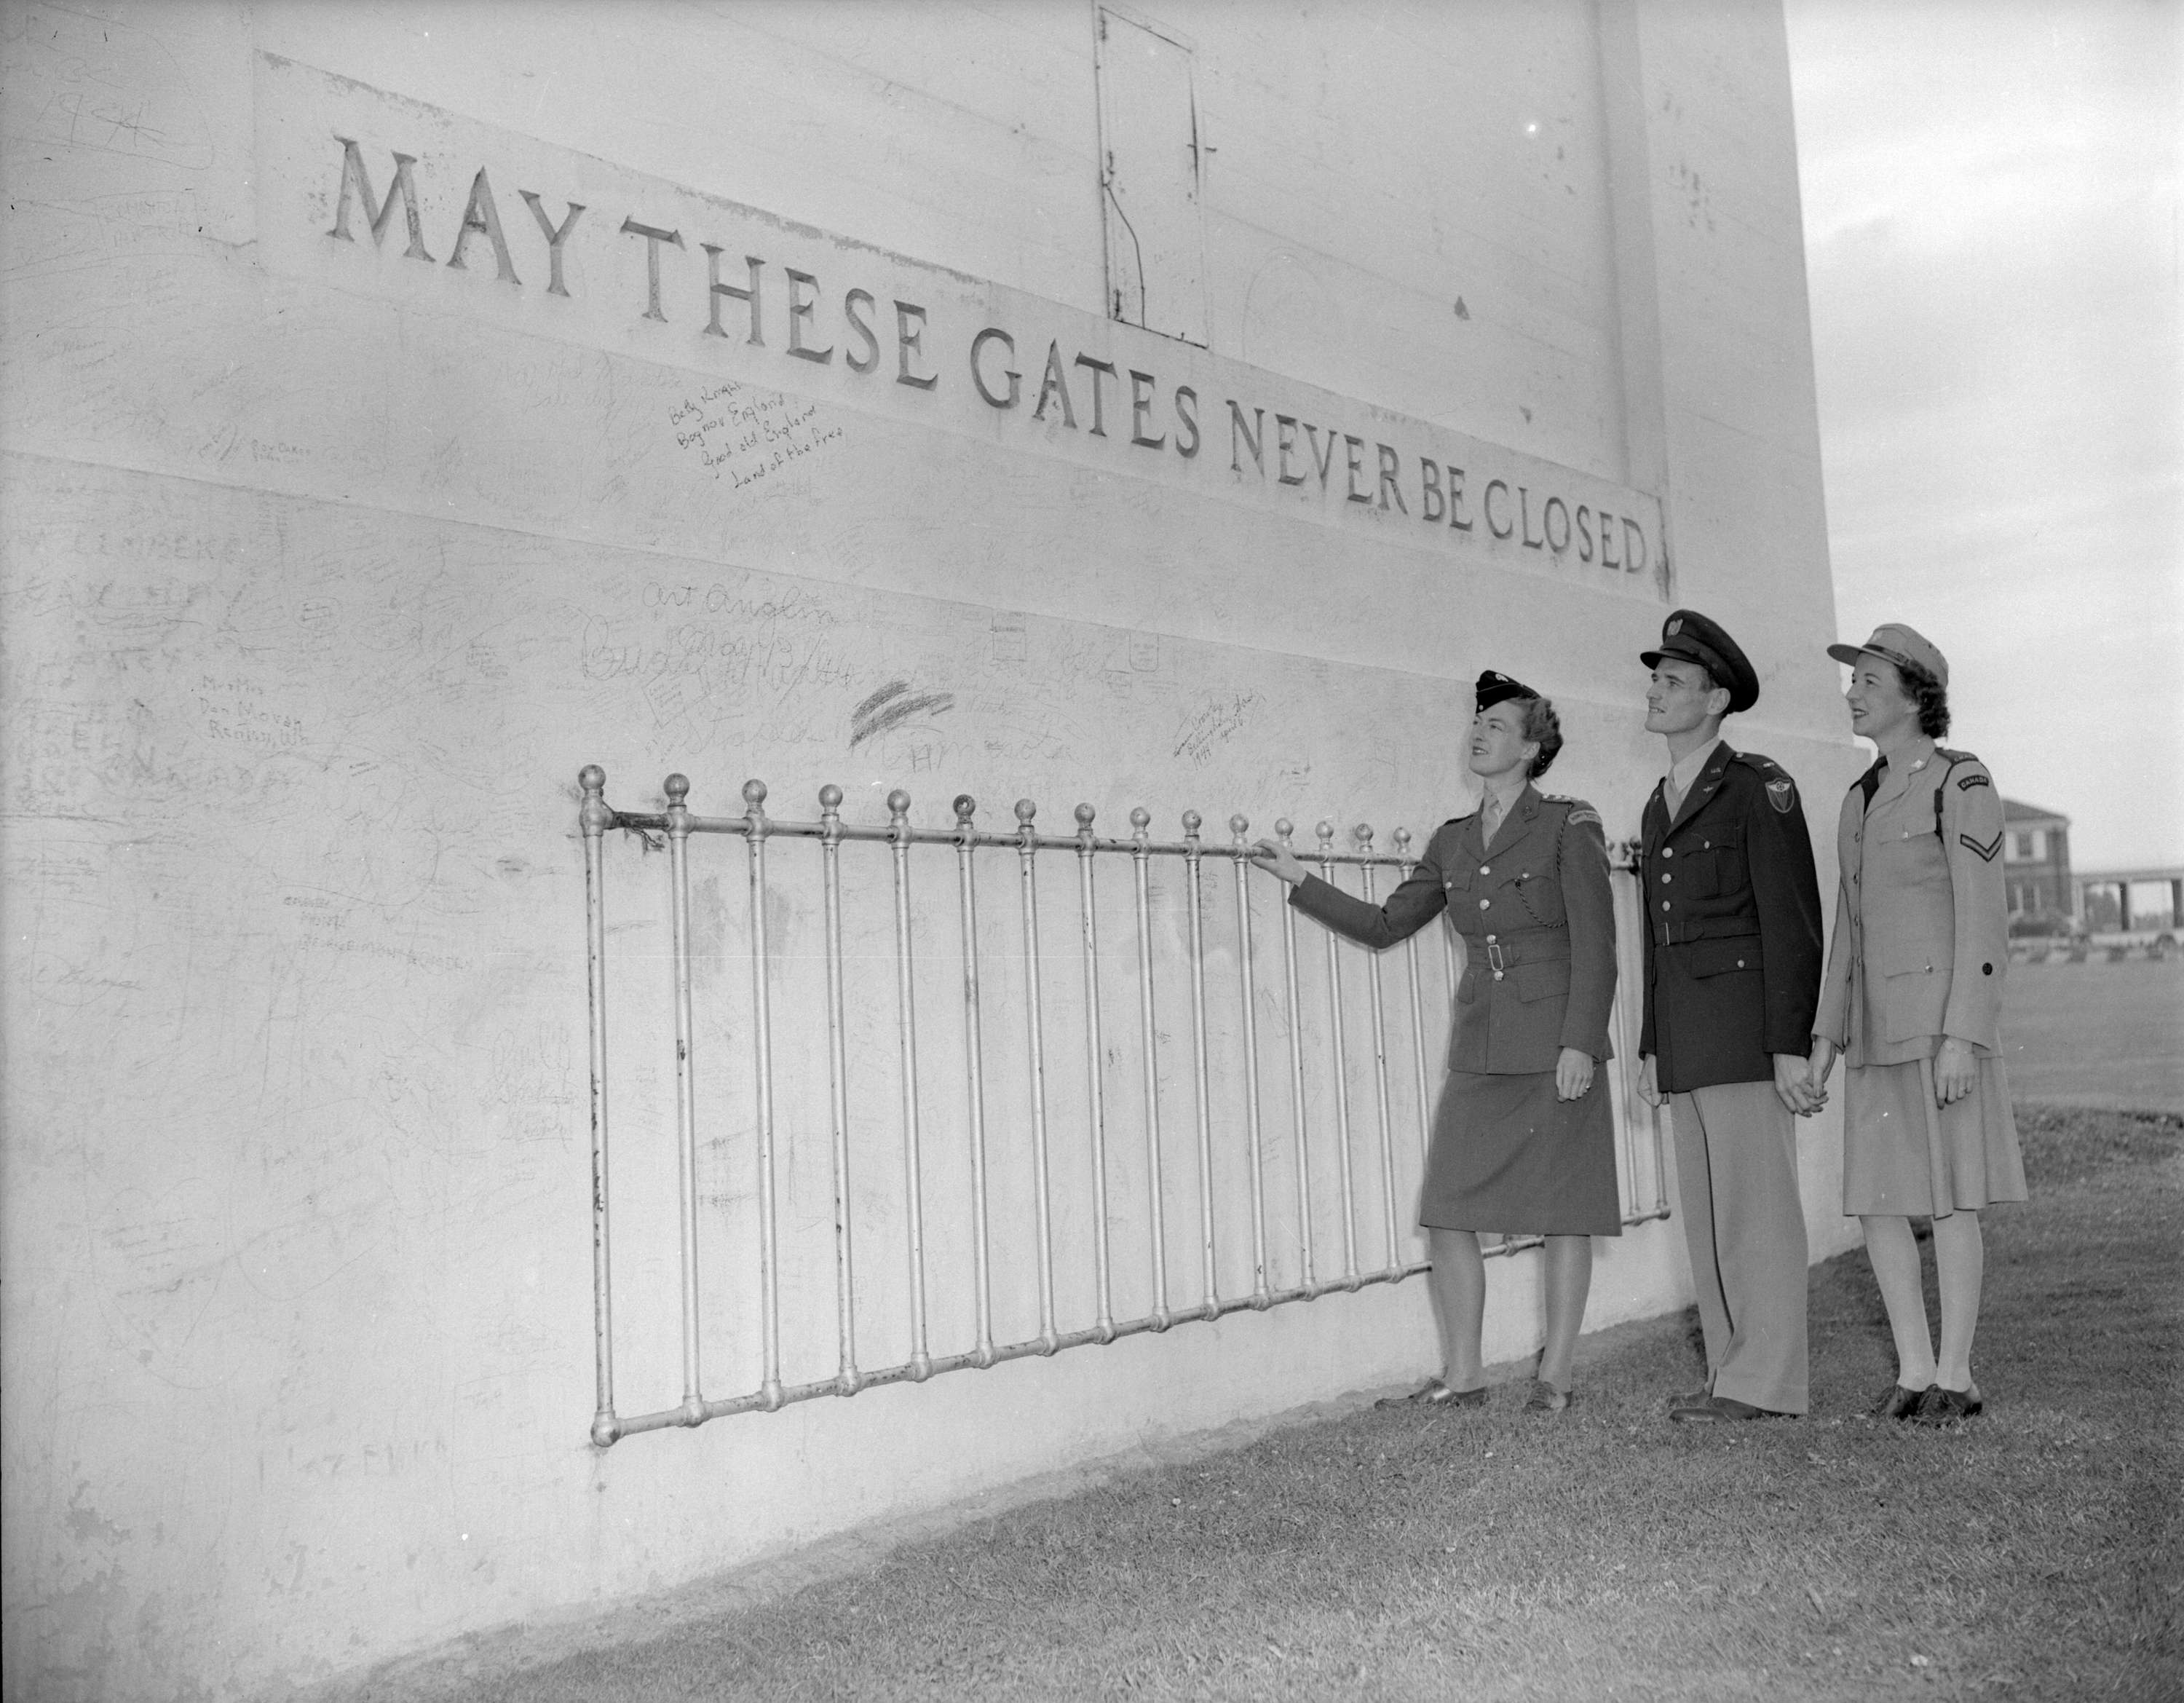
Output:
x=1492 y=816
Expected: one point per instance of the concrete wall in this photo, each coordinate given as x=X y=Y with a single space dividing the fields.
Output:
x=328 y=567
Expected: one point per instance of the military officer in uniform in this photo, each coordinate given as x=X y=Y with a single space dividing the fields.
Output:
x=1524 y=1140
x=1732 y=967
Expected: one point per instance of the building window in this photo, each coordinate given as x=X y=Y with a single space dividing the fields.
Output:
x=1151 y=170
x=2023 y=852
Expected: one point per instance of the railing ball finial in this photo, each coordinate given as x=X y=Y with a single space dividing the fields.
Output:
x=595 y=815
x=964 y=806
x=755 y=794
x=1326 y=833
x=678 y=788
x=830 y=797
x=1403 y=841
x=898 y=802
x=1025 y=811
x=1282 y=828
x=1363 y=835
x=1191 y=823
x=1239 y=825
x=1084 y=815
x=1140 y=819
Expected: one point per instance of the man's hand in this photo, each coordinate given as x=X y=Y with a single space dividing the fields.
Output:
x=1793 y=1084
x=1649 y=1089
x=1279 y=860
x=1954 y=1071
x=1573 y=1074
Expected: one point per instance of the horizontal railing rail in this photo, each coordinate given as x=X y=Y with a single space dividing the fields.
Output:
x=1170 y=955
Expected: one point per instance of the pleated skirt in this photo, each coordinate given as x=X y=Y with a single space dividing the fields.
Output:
x=1506 y=1155
x=1904 y=1156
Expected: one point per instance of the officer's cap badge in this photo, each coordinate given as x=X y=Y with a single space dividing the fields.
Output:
x=1782 y=793
x=1675 y=626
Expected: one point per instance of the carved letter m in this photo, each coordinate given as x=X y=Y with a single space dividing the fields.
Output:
x=353 y=182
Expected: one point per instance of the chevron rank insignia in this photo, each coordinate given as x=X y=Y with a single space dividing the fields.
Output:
x=1968 y=781
x=1782 y=793
x=1986 y=852
x=1576 y=816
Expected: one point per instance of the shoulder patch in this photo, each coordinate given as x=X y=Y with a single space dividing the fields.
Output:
x=1782 y=794
x=1966 y=783
x=1986 y=852
x=1586 y=812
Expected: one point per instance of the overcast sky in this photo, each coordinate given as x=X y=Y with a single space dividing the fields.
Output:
x=1992 y=234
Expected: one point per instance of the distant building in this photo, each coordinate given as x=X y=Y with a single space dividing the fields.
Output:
x=2035 y=860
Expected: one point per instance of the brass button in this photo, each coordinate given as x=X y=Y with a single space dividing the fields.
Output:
x=1490 y=940
x=1497 y=975
x=1667 y=851
x=1485 y=869
x=1665 y=904
x=1665 y=880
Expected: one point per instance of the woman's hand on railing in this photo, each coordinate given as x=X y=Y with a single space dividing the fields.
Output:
x=1277 y=861
x=1573 y=1074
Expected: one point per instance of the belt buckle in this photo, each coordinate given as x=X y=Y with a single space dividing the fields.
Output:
x=1494 y=960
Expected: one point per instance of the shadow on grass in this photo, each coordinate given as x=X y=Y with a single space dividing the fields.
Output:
x=2032 y=1554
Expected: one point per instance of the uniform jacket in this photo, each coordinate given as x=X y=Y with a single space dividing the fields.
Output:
x=1921 y=942
x=1538 y=925
x=1732 y=925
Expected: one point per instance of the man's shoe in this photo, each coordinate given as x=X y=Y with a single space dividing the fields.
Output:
x=1689 y=1397
x=1433 y=1392
x=1949 y=1406
x=1899 y=1403
x=1718 y=1409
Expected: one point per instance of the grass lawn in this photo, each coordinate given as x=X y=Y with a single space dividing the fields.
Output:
x=2033 y=1553
x=2096 y=1034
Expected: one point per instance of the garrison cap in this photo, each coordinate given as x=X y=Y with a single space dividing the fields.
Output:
x=1493 y=689
x=1904 y=646
x=1692 y=636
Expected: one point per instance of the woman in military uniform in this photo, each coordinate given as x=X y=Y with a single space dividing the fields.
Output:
x=1523 y=1139
x=1913 y=987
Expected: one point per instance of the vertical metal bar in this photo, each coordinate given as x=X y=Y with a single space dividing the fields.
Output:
x=1027 y=850
x=1363 y=835
x=595 y=817
x=1156 y=1185
x=1241 y=852
x=1095 y=1087
x=755 y=833
x=1209 y=1278
x=686 y=1110
x=846 y=1381
x=921 y=1355
x=1306 y=1278
x=974 y=1065
x=1418 y=1012
x=1326 y=833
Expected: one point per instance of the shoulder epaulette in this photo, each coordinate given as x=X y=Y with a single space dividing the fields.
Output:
x=1753 y=759
x=1781 y=790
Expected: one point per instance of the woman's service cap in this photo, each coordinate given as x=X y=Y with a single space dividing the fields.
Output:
x=1493 y=689
x=1692 y=637
x=1904 y=646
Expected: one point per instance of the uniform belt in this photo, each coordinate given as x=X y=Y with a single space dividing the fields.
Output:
x=1527 y=945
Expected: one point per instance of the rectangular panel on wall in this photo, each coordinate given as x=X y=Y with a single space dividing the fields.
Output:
x=1150 y=166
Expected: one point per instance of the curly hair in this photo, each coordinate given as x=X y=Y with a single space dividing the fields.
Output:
x=1930 y=694
x=1543 y=725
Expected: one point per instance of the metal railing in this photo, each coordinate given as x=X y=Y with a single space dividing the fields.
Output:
x=1233 y=1173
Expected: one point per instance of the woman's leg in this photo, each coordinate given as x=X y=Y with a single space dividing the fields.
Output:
x=1458 y=1288
x=1890 y=1247
x=1960 y=1263
x=1570 y=1278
